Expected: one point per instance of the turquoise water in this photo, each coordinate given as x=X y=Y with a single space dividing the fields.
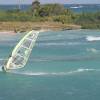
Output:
x=64 y=65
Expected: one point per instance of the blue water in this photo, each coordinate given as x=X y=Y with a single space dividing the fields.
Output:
x=83 y=7
x=64 y=65
x=74 y=7
x=10 y=7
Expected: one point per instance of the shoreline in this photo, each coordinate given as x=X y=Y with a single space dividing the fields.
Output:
x=27 y=26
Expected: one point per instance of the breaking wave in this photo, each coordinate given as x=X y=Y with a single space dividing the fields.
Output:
x=55 y=73
x=93 y=50
x=60 y=44
x=75 y=7
x=92 y=38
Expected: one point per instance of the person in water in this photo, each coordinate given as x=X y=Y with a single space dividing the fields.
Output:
x=3 y=67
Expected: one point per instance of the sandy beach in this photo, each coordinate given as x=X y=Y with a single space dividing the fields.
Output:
x=26 y=26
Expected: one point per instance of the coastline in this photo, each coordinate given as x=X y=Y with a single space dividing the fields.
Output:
x=27 y=26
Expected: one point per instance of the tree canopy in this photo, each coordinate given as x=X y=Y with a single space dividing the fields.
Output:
x=52 y=13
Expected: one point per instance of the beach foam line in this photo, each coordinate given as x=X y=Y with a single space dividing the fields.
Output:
x=55 y=73
x=7 y=32
x=92 y=38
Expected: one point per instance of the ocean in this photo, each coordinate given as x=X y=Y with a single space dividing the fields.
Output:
x=74 y=7
x=64 y=65
x=78 y=8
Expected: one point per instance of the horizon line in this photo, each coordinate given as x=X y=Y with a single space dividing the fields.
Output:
x=54 y=3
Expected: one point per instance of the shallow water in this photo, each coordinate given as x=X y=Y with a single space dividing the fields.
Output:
x=64 y=65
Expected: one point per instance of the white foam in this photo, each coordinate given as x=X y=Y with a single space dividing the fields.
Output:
x=92 y=50
x=59 y=44
x=51 y=44
x=38 y=73
x=8 y=32
x=55 y=73
x=92 y=38
x=75 y=7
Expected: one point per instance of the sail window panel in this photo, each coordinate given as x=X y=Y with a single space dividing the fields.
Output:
x=22 y=51
x=27 y=43
x=17 y=60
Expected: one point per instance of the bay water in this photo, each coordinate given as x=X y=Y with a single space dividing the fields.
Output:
x=64 y=65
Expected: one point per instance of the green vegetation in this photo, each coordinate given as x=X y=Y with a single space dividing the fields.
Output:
x=89 y=20
x=52 y=13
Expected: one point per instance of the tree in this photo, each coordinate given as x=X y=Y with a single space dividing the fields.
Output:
x=35 y=7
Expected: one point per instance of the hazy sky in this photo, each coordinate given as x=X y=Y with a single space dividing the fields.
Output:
x=49 y=1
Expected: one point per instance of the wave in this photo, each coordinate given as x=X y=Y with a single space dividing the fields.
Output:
x=54 y=73
x=93 y=50
x=65 y=58
x=7 y=33
x=76 y=7
x=92 y=38
x=60 y=44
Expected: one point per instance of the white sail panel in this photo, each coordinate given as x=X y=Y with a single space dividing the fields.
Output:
x=21 y=52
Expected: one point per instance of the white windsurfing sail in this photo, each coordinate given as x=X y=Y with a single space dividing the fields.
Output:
x=21 y=52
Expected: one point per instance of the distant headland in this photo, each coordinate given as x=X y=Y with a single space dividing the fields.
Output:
x=47 y=16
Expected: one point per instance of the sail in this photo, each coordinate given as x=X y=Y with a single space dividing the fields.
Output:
x=21 y=52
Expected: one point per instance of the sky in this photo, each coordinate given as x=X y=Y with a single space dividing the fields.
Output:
x=51 y=1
